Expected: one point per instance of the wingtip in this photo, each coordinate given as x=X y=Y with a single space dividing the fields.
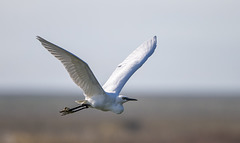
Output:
x=39 y=38
x=155 y=38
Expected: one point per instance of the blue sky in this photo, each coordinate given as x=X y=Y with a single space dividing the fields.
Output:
x=198 y=42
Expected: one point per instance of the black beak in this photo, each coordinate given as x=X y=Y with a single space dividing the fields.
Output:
x=130 y=99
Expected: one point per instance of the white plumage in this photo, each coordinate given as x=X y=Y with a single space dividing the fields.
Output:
x=105 y=98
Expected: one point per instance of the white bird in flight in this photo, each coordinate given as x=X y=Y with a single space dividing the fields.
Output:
x=106 y=97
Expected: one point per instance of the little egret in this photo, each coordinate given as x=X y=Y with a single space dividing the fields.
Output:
x=104 y=98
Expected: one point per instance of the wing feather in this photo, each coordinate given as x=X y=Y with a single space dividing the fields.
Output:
x=130 y=65
x=78 y=70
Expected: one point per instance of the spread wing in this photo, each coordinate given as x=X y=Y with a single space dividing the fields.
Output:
x=79 y=71
x=131 y=64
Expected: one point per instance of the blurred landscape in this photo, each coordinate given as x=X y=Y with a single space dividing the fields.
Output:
x=156 y=119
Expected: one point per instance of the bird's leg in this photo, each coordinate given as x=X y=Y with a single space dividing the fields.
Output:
x=67 y=110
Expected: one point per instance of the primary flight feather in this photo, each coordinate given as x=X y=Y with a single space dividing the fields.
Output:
x=104 y=98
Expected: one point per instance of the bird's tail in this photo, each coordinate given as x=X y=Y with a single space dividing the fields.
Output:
x=81 y=102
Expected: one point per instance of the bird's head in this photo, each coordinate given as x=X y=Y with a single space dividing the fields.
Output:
x=122 y=99
x=118 y=106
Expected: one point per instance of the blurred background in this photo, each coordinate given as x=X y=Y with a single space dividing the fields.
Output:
x=188 y=90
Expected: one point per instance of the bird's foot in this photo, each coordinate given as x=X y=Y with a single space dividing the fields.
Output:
x=66 y=111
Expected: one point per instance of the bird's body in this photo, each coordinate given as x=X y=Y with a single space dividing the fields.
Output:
x=106 y=102
x=104 y=98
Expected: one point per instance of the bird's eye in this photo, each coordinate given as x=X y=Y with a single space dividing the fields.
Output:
x=124 y=98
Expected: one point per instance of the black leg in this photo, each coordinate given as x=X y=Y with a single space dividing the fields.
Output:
x=84 y=107
x=76 y=108
x=67 y=110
